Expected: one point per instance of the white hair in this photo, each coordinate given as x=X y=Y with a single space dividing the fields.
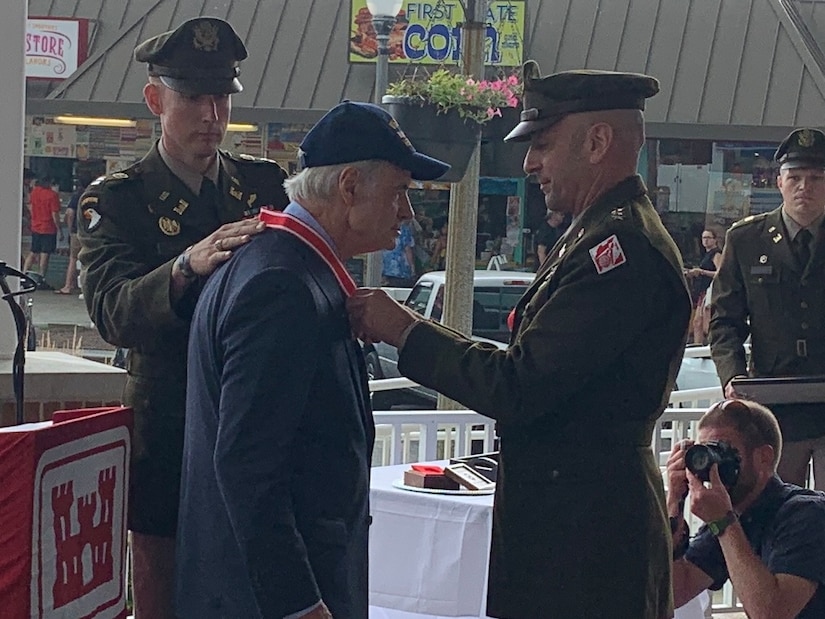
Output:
x=321 y=183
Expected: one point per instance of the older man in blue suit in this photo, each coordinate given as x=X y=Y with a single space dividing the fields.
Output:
x=274 y=502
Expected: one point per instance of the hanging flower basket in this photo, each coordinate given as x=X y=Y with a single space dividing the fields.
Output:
x=443 y=113
x=443 y=135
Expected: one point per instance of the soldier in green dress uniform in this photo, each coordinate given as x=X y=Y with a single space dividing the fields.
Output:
x=579 y=525
x=771 y=287
x=150 y=236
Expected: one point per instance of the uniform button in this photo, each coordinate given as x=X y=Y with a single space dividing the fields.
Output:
x=555 y=474
x=804 y=325
x=804 y=305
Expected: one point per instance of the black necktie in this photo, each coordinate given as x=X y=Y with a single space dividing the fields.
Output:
x=209 y=193
x=803 y=246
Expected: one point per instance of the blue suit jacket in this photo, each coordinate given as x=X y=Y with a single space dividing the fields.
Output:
x=279 y=434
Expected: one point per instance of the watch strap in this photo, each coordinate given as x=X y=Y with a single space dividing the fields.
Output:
x=717 y=527
x=184 y=266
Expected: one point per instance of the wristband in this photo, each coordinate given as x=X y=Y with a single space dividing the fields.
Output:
x=183 y=265
x=717 y=527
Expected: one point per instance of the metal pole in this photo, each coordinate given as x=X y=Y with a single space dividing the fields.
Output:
x=383 y=26
x=12 y=102
x=463 y=215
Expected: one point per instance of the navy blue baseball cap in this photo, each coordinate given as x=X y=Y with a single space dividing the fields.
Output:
x=353 y=131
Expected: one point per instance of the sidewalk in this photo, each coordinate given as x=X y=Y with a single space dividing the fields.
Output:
x=62 y=322
x=50 y=308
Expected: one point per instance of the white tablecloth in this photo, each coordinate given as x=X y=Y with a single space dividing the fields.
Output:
x=429 y=553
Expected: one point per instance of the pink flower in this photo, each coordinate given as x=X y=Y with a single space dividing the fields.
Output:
x=493 y=111
x=512 y=80
x=470 y=81
x=512 y=102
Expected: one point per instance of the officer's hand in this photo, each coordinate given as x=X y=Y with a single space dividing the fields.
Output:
x=709 y=502
x=377 y=317
x=730 y=392
x=677 y=482
x=206 y=255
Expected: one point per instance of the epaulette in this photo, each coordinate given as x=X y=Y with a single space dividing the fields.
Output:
x=246 y=158
x=116 y=178
x=748 y=220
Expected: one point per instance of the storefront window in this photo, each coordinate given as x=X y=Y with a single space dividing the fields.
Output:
x=699 y=184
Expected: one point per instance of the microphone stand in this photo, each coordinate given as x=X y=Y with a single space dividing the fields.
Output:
x=18 y=363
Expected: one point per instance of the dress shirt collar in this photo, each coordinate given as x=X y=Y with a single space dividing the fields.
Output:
x=299 y=212
x=794 y=228
x=191 y=178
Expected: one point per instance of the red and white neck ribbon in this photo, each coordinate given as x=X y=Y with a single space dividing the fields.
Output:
x=304 y=232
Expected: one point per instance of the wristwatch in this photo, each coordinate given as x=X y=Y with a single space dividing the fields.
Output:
x=183 y=265
x=717 y=527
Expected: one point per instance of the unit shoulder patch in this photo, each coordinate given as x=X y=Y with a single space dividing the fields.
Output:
x=608 y=255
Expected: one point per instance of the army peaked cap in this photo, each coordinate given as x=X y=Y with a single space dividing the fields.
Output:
x=353 y=131
x=199 y=57
x=546 y=100
x=803 y=148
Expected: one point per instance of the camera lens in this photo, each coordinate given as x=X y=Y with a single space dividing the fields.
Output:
x=699 y=460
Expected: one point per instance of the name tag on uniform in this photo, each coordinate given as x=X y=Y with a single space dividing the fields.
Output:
x=761 y=270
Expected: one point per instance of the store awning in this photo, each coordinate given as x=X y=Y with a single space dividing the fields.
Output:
x=731 y=69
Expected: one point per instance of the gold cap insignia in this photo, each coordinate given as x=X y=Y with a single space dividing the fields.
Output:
x=206 y=37
x=777 y=238
x=401 y=135
x=805 y=138
x=168 y=226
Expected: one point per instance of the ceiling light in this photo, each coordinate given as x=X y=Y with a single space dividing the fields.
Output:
x=242 y=127
x=95 y=121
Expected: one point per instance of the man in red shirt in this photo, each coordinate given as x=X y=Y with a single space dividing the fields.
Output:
x=44 y=208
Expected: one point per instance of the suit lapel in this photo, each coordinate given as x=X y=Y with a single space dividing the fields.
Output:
x=328 y=285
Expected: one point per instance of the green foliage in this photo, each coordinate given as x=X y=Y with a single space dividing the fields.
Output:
x=476 y=100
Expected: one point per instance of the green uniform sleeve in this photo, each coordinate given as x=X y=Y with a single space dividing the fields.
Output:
x=729 y=315
x=584 y=327
x=127 y=290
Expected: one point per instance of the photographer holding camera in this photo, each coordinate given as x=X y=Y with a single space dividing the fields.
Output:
x=766 y=536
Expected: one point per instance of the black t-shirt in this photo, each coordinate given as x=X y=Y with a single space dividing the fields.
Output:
x=786 y=529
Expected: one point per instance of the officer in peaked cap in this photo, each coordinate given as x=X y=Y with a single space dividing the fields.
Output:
x=608 y=304
x=547 y=100
x=201 y=56
x=769 y=288
x=150 y=236
x=803 y=148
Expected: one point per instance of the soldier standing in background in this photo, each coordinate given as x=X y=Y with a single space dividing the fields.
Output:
x=771 y=286
x=150 y=236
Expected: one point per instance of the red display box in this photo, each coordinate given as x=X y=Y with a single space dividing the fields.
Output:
x=63 y=498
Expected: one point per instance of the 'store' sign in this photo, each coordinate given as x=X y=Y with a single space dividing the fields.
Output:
x=55 y=47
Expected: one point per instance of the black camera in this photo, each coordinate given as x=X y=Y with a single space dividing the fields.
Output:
x=701 y=457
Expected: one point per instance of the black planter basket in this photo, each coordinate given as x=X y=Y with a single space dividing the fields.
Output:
x=500 y=158
x=447 y=137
